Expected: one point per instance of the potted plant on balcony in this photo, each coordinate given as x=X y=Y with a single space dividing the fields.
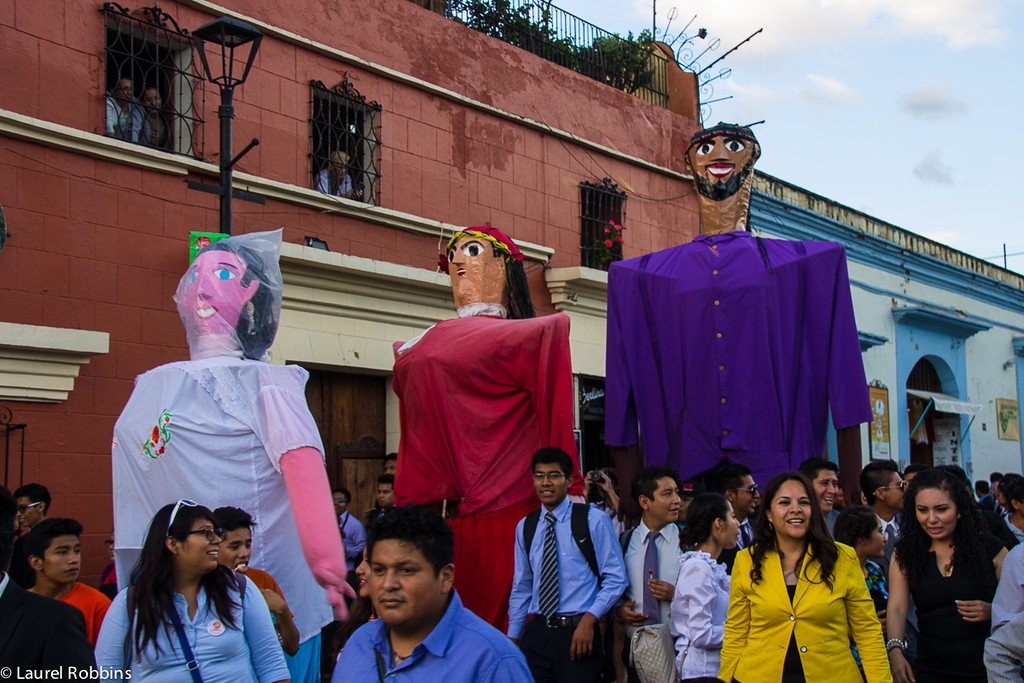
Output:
x=609 y=244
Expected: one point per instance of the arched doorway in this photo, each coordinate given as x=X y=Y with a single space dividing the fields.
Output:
x=934 y=433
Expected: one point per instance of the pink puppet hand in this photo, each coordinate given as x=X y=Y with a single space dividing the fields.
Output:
x=337 y=588
x=313 y=510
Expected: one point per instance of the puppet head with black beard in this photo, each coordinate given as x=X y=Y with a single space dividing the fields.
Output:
x=722 y=160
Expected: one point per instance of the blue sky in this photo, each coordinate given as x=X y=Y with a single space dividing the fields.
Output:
x=908 y=111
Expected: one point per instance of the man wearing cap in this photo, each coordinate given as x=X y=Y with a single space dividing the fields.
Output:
x=652 y=554
x=688 y=490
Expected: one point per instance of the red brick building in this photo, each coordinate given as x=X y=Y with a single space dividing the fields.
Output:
x=443 y=126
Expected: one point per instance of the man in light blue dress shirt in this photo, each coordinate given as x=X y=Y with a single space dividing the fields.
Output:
x=423 y=633
x=656 y=491
x=563 y=645
x=352 y=532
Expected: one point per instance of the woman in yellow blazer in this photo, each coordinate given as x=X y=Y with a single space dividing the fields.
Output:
x=797 y=597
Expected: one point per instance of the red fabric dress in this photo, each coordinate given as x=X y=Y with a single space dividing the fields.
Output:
x=478 y=396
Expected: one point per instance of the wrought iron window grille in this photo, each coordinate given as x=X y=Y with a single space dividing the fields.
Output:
x=162 y=108
x=600 y=204
x=344 y=131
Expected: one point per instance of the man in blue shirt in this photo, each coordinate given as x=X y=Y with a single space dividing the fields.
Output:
x=557 y=595
x=423 y=633
x=352 y=532
x=651 y=573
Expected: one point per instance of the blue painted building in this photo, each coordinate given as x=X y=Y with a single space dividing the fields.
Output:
x=942 y=334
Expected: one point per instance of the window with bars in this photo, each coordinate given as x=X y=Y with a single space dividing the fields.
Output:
x=602 y=206
x=344 y=143
x=153 y=97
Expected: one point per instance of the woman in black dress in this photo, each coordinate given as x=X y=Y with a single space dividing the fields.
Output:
x=947 y=561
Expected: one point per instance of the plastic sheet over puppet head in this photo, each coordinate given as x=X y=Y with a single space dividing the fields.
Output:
x=722 y=159
x=486 y=269
x=230 y=297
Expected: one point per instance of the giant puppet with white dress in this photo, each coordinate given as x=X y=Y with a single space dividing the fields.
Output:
x=732 y=346
x=228 y=428
x=479 y=394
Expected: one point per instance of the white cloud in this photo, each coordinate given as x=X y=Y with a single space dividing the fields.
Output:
x=950 y=237
x=933 y=170
x=933 y=101
x=963 y=23
x=827 y=90
x=794 y=25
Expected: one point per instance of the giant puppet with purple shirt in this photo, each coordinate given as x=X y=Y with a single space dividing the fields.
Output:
x=733 y=346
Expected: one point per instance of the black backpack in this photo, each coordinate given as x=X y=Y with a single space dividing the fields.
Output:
x=580 y=533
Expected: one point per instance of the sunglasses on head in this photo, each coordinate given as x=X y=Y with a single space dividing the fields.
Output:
x=177 y=506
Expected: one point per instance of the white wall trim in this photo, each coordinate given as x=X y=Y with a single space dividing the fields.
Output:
x=578 y=290
x=116 y=151
x=346 y=311
x=39 y=364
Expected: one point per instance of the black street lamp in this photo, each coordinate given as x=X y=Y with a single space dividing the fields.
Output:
x=234 y=38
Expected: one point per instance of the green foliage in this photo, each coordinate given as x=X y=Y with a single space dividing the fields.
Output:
x=609 y=244
x=623 y=63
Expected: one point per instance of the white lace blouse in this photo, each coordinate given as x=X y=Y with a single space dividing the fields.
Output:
x=698 y=613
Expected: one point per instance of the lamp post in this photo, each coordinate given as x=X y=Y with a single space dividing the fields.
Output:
x=233 y=37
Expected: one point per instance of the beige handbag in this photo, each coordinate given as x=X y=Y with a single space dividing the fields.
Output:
x=652 y=652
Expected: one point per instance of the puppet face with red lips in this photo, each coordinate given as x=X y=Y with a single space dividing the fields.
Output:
x=478 y=275
x=214 y=292
x=721 y=162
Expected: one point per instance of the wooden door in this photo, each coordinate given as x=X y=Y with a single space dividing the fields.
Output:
x=349 y=410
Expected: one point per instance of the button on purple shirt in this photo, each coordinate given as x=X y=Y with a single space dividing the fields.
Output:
x=732 y=347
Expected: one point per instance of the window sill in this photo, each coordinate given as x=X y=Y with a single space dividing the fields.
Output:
x=117 y=151
x=39 y=364
x=579 y=289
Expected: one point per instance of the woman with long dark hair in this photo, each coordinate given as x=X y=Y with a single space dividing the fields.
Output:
x=946 y=559
x=185 y=611
x=795 y=595
x=361 y=613
x=702 y=588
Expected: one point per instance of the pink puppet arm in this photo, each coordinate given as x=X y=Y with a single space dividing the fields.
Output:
x=310 y=494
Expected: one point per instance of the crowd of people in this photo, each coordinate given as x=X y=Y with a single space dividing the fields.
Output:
x=918 y=582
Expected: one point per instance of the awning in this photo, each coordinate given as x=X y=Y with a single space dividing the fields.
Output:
x=948 y=404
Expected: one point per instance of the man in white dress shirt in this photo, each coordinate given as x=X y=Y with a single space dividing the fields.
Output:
x=882 y=485
x=651 y=553
x=736 y=483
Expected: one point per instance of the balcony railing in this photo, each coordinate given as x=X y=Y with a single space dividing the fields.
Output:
x=634 y=66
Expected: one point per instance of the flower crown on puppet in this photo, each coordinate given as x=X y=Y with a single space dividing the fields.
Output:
x=520 y=303
x=501 y=242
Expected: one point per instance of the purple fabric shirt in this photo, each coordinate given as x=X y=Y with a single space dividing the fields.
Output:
x=719 y=357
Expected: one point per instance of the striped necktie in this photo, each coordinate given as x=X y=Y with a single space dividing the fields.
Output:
x=744 y=536
x=548 y=599
x=651 y=609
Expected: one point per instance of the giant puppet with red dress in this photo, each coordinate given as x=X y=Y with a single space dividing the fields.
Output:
x=478 y=395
